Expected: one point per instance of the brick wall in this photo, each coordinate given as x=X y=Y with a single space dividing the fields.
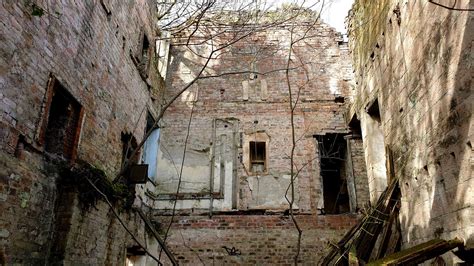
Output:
x=258 y=239
x=419 y=67
x=257 y=104
x=88 y=47
x=90 y=236
x=230 y=111
x=360 y=172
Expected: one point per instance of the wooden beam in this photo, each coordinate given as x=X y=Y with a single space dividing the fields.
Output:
x=387 y=234
x=420 y=253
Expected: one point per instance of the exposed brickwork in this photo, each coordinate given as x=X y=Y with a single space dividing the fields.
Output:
x=241 y=109
x=90 y=237
x=94 y=50
x=89 y=47
x=328 y=75
x=261 y=239
x=419 y=67
x=27 y=203
x=360 y=172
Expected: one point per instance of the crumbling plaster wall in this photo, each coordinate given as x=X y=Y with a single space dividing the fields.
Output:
x=416 y=59
x=260 y=105
x=87 y=46
x=231 y=111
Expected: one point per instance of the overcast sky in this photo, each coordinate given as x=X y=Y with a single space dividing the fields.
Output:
x=334 y=11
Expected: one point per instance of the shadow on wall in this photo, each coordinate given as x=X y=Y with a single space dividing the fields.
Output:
x=436 y=177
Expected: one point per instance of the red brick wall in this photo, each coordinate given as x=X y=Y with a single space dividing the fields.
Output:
x=360 y=172
x=322 y=70
x=261 y=239
x=88 y=52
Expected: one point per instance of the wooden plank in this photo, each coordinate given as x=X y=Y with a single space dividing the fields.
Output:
x=387 y=233
x=420 y=253
x=395 y=240
x=364 y=235
x=368 y=236
x=335 y=249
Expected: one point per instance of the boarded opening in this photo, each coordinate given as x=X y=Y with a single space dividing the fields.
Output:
x=257 y=156
x=332 y=151
x=63 y=123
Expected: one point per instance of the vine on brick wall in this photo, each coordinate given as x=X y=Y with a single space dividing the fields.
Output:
x=76 y=176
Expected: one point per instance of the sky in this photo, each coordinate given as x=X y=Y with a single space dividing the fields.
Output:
x=334 y=11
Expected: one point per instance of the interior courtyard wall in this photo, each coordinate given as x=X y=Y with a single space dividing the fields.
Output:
x=418 y=66
x=90 y=48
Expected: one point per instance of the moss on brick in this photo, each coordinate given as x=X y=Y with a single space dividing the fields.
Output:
x=81 y=173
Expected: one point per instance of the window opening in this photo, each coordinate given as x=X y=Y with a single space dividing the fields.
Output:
x=332 y=151
x=135 y=256
x=145 y=49
x=374 y=111
x=257 y=156
x=151 y=147
x=354 y=126
x=63 y=123
x=142 y=57
x=129 y=144
x=339 y=99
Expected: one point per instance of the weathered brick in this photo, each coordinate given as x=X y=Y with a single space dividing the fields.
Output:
x=78 y=46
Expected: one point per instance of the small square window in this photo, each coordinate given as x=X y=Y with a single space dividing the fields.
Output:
x=258 y=157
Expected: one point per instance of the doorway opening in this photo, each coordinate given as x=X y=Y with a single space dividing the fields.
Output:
x=332 y=154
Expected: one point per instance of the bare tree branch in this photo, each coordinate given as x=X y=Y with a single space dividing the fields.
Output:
x=121 y=222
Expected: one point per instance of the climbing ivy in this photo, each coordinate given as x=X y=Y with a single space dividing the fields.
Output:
x=37 y=11
x=78 y=176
